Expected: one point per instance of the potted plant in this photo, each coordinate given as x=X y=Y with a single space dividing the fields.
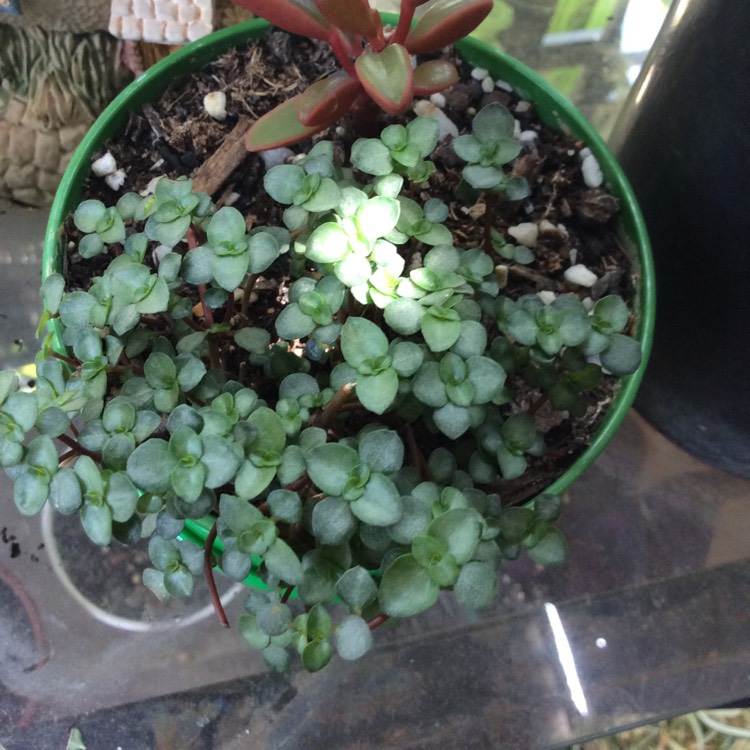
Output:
x=337 y=402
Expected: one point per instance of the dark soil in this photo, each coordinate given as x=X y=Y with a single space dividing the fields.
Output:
x=174 y=136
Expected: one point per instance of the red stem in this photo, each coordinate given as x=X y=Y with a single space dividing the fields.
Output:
x=208 y=570
x=229 y=312
x=337 y=45
x=298 y=484
x=337 y=403
x=194 y=325
x=376 y=622
x=78 y=448
x=404 y=24
x=69 y=360
x=417 y=457
x=247 y=292
x=538 y=404
x=489 y=204
x=192 y=238
x=208 y=315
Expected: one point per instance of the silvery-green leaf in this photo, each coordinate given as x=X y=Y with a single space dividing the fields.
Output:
x=406 y=588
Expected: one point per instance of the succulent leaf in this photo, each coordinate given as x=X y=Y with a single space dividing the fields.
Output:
x=352 y=17
x=326 y=101
x=446 y=22
x=433 y=76
x=387 y=77
x=280 y=127
x=301 y=17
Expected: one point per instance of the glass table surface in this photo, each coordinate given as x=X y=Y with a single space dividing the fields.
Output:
x=648 y=619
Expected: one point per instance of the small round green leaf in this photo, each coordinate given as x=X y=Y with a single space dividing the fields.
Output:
x=404 y=316
x=357 y=588
x=452 y=420
x=610 y=314
x=227 y=225
x=361 y=339
x=327 y=244
x=254 y=340
x=292 y=323
x=371 y=155
x=377 y=217
x=330 y=465
x=511 y=465
x=407 y=357
x=441 y=328
x=353 y=638
x=179 y=582
x=459 y=530
x=276 y=658
x=406 y=588
x=332 y=521
x=377 y=392
x=96 y=520
x=285 y=505
x=236 y=565
x=149 y=466
x=622 y=356
x=283 y=563
x=251 y=632
x=380 y=503
x=316 y=655
x=88 y=215
x=65 y=492
x=477 y=585
x=30 y=493
x=382 y=450
x=551 y=550
x=283 y=181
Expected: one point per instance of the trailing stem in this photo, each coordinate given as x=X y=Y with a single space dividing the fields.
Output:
x=538 y=404
x=417 y=457
x=247 y=293
x=208 y=315
x=376 y=622
x=337 y=45
x=208 y=547
x=404 y=23
x=78 y=448
x=229 y=312
x=213 y=354
x=336 y=404
x=489 y=204
x=69 y=360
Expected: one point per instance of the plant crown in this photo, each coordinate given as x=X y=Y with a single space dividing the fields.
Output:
x=376 y=62
x=181 y=395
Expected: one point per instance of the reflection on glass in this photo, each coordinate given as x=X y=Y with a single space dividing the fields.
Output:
x=567 y=662
x=640 y=25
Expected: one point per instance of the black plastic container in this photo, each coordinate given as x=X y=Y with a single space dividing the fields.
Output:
x=684 y=142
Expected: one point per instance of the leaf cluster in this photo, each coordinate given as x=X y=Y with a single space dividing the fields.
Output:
x=348 y=445
x=376 y=62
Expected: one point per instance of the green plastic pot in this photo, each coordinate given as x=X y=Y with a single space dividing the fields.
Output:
x=554 y=110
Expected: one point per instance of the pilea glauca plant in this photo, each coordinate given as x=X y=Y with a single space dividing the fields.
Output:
x=335 y=395
x=376 y=63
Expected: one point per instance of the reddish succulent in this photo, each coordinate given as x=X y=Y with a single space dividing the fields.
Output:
x=376 y=63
